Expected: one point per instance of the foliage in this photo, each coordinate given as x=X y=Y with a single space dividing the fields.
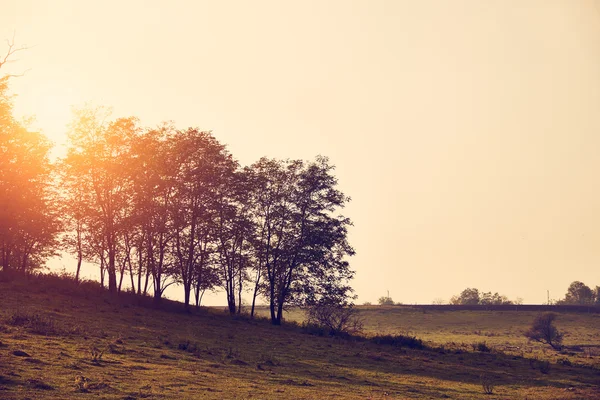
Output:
x=482 y=347
x=412 y=342
x=172 y=206
x=28 y=217
x=472 y=296
x=300 y=245
x=168 y=205
x=385 y=301
x=336 y=318
x=543 y=330
x=578 y=293
x=467 y=296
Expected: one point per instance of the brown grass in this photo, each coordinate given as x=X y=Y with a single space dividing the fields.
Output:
x=158 y=354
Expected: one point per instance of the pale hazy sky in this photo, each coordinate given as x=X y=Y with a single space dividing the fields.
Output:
x=466 y=132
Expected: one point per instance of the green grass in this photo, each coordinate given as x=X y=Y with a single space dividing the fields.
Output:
x=164 y=354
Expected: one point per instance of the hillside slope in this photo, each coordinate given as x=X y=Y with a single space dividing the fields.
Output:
x=50 y=333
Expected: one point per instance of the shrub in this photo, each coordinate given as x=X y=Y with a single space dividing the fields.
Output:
x=544 y=366
x=481 y=346
x=543 y=330
x=385 y=301
x=96 y=354
x=411 y=342
x=335 y=318
x=35 y=323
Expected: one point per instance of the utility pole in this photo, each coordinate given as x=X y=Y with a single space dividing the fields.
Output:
x=548 y=296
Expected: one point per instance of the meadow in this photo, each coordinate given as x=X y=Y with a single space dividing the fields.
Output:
x=59 y=341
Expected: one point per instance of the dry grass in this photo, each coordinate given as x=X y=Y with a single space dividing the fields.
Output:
x=156 y=354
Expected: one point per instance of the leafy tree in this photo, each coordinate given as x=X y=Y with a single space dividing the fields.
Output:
x=385 y=301
x=235 y=234
x=75 y=217
x=597 y=295
x=493 y=299
x=204 y=170
x=543 y=330
x=28 y=217
x=469 y=296
x=301 y=245
x=579 y=293
x=99 y=159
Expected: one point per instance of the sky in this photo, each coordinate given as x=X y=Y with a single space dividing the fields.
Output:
x=467 y=132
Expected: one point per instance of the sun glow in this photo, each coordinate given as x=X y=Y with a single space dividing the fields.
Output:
x=50 y=113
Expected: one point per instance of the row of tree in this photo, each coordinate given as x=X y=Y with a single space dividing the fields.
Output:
x=472 y=296
x=580 y=293
x=166 y=205
x=577 y=294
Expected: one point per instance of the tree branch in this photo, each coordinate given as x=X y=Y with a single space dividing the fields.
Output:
x=11 y=51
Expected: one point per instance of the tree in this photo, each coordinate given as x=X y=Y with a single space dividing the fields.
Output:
x=493 y=299
x=235 y=233
x=155 y=168
x=543 y=330
x=75 y=216
x=579 y=293
x=597 y=295
x=469 y=296
x=385 y=301
x=204 y=170
x=301 y=245
x=99 y=158
x=28 y=217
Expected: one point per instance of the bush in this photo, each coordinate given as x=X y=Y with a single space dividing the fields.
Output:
x=411 y=342
x=34 y=323
x=481 y=346
x=385 y=301
x=543 y=330
x=334 y=318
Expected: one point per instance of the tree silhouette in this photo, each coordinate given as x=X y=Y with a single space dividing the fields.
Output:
x=28 y=218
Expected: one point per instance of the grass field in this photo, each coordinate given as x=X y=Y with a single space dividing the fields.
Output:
x=50 y=334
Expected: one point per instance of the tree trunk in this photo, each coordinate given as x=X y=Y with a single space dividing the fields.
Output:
x=279 y=312
x=79 y=259
x=187 y=290
x=112 y=272
x=254 y=295
x=272 y=309
x=102 y=270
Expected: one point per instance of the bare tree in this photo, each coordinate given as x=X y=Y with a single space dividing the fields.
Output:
x=543 y=330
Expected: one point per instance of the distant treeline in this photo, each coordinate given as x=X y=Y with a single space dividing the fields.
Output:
x=508 y=307
x=154 y=207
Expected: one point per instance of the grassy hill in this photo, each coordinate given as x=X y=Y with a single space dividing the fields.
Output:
x=64 y=342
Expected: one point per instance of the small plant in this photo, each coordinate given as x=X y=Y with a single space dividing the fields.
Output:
x=96 y=354
x=543 y=330
x=564 y=361
x=81 y=384
x=544 y=366
x=481 y=346
x=487 y=383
